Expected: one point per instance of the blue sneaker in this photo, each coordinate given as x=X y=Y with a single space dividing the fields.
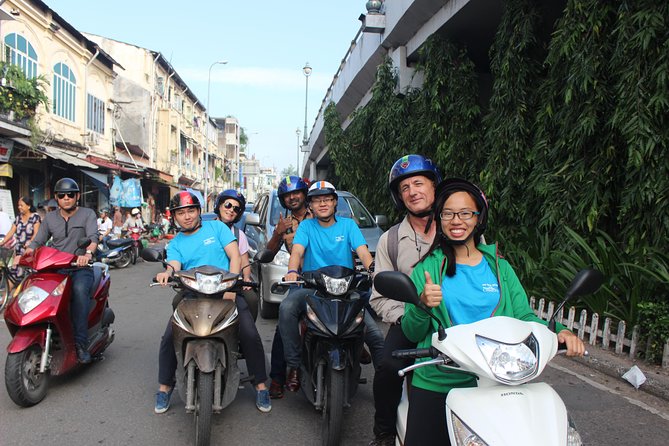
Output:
x=163 y=401
x=263 y=402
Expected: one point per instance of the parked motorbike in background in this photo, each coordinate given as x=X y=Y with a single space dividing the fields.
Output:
x=205 y=330
x=505 y=354
x=38 y=320
x=119 y=252
x=332 y=333
x=135 y=234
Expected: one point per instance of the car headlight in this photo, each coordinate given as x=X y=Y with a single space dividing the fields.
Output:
x=30 y=298
x=208 y=283
x=336 y=287
x=510 y=363
x=281 y=258
x=464 y=436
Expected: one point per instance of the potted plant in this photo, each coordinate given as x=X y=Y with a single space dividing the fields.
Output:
x=20 y=96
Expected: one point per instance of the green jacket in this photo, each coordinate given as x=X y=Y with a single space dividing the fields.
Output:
x=418 y=326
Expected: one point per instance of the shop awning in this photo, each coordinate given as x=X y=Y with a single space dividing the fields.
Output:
x=59 y=154
x=100 y=180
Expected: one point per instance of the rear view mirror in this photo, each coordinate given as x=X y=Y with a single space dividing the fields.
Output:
x=264 y=256
x=397 y=286
x=586 y=281
x=152 y=255
x=253 y=219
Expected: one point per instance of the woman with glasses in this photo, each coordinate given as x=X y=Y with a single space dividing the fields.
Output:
x=229 y=207
x=460 y=280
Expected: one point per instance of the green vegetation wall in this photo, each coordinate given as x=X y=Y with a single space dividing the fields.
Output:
x=571 y=144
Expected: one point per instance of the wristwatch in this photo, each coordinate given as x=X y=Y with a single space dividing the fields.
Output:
x=88 y=251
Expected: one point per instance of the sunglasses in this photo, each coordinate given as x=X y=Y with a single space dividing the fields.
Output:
x=229 y=205
x=62 y=195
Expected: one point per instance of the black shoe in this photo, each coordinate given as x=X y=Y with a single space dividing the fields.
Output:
x=82 y=355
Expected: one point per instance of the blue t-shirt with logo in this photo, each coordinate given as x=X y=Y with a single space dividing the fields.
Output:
x=328 y=246
x=471 y=294
x=206 y=246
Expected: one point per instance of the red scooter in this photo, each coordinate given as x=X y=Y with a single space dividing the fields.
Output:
x=135 y=234
x=38 y=319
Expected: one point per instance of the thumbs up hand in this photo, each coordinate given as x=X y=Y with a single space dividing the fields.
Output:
x=431 y=295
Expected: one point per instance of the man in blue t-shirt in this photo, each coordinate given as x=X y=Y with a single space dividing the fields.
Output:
x=321 y=241
x=200 y=243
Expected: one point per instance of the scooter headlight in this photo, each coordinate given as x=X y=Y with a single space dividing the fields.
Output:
x=336 y=287
x=510 y=363
x=464 y=436
x=208 y=284
x=30 y=298
x=573 y=437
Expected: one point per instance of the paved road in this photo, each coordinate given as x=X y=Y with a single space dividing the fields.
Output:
x=111 y=402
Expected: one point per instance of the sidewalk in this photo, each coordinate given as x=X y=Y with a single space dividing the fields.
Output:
x=607 y=362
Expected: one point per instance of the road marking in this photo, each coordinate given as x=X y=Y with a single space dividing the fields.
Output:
x=599 y=386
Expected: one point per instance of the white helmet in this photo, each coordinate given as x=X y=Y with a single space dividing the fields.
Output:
x=321 y=188
x=134 y=211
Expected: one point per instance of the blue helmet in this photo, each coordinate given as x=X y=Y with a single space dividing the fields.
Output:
x=234 y=195
x=289 y=184
x=409 y=166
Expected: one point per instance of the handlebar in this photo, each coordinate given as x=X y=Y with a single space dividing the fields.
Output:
x=415 y=353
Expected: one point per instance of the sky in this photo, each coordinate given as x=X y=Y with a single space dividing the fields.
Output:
x=266 y=44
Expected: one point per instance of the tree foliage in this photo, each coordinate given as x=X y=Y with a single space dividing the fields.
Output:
x=571 y=145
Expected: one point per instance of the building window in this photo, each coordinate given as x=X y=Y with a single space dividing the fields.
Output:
x=95 y=119
x=18 y=51
x=64 y=91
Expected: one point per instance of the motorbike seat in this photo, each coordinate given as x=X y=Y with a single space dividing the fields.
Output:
x=119 y=242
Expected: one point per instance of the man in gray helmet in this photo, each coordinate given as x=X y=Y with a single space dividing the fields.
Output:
x=67 y=226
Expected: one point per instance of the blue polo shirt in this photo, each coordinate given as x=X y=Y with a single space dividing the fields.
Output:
x=328 y=246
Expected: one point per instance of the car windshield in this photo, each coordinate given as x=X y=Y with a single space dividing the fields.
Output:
x=347 y=206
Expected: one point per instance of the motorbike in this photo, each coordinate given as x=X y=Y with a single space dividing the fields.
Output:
x=206 y=343
x=332 y=333
x=119 y=252
x=155 y=231
x=38 y=319
x=135 y=234
x=6 y=257
x=505 y=354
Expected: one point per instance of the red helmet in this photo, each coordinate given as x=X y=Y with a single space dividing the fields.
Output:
x=183 y=199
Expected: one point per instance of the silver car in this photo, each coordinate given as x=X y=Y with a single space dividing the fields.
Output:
x=259 y=229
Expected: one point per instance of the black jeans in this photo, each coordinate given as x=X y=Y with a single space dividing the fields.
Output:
x=278 y=365
x=426 y=421
x=249 y=339
x=387 y=384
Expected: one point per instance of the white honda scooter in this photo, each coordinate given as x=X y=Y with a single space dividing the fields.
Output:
x=505 y=354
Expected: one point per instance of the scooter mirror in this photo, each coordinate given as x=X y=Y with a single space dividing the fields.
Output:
x=264 y=256
x=152 y=255
x=586 y=281
x=397 y=286
x=83 y=242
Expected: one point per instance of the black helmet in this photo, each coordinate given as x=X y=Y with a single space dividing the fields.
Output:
x=289 y=184
x=409 y=166
x=230 y=194
x=66 y=185
x=321 y=188
x=451 y=185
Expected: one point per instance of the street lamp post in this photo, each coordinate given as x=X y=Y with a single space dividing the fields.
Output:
x=297 y=168
x=307 y=72
x=206 y=136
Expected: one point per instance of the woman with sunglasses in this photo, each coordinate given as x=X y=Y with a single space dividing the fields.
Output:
x=460 y=280
x=229 y=208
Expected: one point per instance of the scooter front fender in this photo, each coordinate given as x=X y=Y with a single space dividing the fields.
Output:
x=338 y=358
x=510 y=415
x=206 y=354
x=25 y=337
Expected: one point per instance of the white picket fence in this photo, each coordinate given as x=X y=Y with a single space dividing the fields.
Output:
x=590 y=332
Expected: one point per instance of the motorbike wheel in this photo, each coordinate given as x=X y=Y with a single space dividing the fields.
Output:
x=124 y=260
x=203 y=408
x=4 y=290
x=135 y=254
x=333 y=409
x=26 y=386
